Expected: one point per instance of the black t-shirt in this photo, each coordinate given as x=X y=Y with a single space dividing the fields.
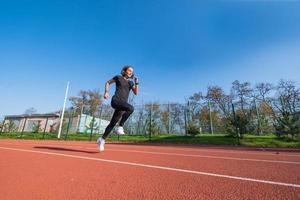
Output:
x=123 y=88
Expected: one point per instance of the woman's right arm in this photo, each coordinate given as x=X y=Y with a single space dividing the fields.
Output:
x=107 y=83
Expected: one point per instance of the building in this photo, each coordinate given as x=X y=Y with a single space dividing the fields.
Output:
x=27 y=123
x=50 y=122
x=87 y=122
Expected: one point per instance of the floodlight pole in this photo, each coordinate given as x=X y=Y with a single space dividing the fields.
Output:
x=63 y=111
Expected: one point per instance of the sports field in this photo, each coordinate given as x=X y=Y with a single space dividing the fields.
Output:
x=76 y=170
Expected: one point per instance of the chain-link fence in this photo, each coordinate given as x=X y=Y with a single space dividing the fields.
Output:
x=148 y=120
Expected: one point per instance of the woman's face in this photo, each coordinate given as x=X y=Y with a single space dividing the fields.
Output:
x=129 y=72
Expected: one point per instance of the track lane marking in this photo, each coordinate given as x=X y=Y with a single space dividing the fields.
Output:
x=226 y=151
x=185 y=155
x=205 y=156
x=159 y=167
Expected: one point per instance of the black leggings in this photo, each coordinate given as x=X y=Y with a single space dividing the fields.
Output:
x=122 y=109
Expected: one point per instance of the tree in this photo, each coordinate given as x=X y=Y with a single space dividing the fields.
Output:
x=153 y=111
x=286 y=103
x=204 y=118
x=165 y=117
x=176 y=117
x=264 y=110
x=241 y=91
x=216 y=95
x=263 y=90
x=141 y=121
x=87 y=101
x=94 y=100
x=288 y=96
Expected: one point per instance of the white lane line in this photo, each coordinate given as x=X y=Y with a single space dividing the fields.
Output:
x=226 y=151
x=178 y=154
x=229 y=151
x=237 y=151
x=159 y=167
x=204 y=156
x=193 y=155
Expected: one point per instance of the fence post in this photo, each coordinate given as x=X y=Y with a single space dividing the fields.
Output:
x=237 y=131
x=258 y=119
x=130 y=124
x=23 y=127
x=91 y=135
x=169 y=121
x=210 y=119
x=70 y=122
x=189 y=116
x=79 y=120
x=185 y=121
x=45 y=127
x=150 y=129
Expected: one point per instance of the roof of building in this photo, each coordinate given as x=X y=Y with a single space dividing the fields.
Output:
x=33 y=115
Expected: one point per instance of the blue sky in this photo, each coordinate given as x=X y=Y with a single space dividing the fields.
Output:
x=177 y=47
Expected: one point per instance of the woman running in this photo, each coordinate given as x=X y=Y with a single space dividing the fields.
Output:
x=120 y=102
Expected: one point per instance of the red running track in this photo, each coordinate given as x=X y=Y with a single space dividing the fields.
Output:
x=76 y=170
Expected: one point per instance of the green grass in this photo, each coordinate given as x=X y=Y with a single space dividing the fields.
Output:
x=31 y=136
x=269 y=140
x=199 y=139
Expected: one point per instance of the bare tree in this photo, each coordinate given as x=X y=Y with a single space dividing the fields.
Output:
x=288 y=97
x=94 y=100
x=194 y=106
x=140 y=119
x=263 y=103
x=263 y=90
x=80 y=102
x=242 y=91
x=286 y=103
x=216 y=95
x=87 y=101
x=165 y=117
x=176 y=118
x=153 y=113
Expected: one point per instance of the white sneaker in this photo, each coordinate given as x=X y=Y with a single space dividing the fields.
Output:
x=100 y=143
x=120 y=130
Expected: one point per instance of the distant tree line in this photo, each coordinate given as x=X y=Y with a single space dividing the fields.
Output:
x=258 y=109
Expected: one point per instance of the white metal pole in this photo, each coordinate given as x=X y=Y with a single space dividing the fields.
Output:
x=63 y=111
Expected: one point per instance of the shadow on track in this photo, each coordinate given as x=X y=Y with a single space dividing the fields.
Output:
x=64 y=149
